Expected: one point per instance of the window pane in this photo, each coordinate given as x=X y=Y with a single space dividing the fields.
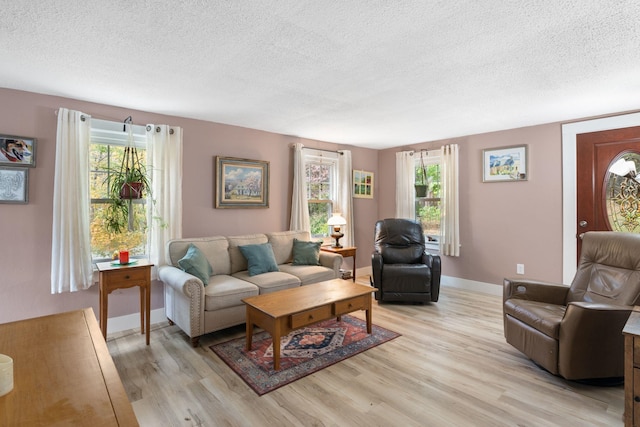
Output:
x=104 y=160
x=319 y=214
x=428 y=213
x=622 y=195
x=428 y=206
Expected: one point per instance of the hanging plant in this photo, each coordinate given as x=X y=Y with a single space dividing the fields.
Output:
x=126 y=184
x=421 y=188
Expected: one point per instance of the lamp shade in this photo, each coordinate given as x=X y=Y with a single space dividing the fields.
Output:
x=337 y=219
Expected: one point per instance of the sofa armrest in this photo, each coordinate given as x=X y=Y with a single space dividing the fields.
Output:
x=535 y=290
x=180 y=280
x=184 y=299
x=331 y=260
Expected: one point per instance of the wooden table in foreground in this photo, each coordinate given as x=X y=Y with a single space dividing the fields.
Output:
x=63 y=374
x=284 y=311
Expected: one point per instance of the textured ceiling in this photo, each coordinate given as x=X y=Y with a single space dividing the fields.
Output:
x=368 y=73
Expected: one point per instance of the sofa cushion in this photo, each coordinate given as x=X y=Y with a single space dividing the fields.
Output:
x=215 y=248
x=309 y=273
x=227 y=291
x=238 y=261
x=306 y=253
x=270 y=282
x=282 y=243
x=541 y=316
x=194 y=262
x=260 y=258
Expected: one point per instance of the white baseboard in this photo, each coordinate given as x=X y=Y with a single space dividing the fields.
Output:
x=132 y=321
x=454 y=282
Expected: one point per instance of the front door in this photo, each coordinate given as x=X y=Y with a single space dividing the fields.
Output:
x=603 y=204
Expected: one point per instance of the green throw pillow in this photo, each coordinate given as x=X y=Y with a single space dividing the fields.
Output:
x=194 y=262
x=260 y=258
x=306 y=253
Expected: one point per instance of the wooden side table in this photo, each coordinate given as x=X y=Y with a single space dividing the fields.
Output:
x=345 y=251
x=114 y=276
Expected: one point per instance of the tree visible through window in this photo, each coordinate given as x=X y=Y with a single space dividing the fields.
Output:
x=320 y=177
x=104 y=158
x=427 y=208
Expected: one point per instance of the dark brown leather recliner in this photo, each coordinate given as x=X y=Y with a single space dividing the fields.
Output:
x=576 y=332
x=402 y=269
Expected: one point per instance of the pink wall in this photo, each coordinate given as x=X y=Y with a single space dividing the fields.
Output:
x=506 y=223
x=25 y=230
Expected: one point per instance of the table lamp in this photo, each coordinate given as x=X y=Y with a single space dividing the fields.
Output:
x=337 y=221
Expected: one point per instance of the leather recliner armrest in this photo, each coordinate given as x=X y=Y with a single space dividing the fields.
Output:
x=591 y=339
x=535 y=290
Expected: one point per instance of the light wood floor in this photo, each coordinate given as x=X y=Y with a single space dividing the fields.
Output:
x=450 y=367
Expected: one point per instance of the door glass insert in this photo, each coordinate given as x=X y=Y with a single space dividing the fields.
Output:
x=622 y=187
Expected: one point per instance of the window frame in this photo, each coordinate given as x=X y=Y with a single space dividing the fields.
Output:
x=114 y=134
x=323 y=158
x=432 y=157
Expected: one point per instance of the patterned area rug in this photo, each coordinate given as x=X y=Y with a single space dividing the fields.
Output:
x=303 y=351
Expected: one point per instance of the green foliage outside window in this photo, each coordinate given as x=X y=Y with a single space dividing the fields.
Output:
x=104 y=158
x=428 y=208
x=319 y=192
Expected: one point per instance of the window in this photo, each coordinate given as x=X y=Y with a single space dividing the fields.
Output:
x=321 y=175
x=108 y=142
x=427 y=209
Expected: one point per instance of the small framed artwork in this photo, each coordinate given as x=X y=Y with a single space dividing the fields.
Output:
x=241 y=183
x=17 y=151
x=505 y=164
x=362 y=184
x=14 y=185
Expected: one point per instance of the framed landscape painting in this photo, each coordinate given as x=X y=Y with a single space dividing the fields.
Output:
x=14 y=185
x=241 y=183
x=505 y=164
x=17 y=151
x=362 y=184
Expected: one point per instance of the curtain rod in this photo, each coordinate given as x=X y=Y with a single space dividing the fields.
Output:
x=322 y=149
x=128 y=120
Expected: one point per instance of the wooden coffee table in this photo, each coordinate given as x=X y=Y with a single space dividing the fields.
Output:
x=284 y=311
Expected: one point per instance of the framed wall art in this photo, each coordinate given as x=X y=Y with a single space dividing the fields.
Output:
x=17 y=151
x=14 y=185
x=241 y=183
x=505 y=164
x=362 y=184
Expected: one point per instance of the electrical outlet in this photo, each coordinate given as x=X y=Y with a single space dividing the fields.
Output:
x=519 y=268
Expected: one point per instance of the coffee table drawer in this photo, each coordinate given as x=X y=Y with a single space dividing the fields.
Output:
x=353 y=304
x=308 y=317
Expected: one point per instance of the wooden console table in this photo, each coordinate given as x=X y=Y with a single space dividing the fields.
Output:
x=284 y=311
x=62 y=374
x=345 y=252
x=114 y=277
x=631 y=334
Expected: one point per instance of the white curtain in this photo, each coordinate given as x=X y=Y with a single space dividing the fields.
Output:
x=164 y=216
x=71 y=268
x=345 y=200
x=450 y=213
x=299 y=204
x=405 y=180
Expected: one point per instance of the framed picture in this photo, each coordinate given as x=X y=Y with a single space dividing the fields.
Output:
x=241 y=183
x=14 y=185
x=362 y=184
x=17 y=151
x=505 y=164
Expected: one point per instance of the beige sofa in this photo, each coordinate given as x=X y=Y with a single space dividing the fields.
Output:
x=198 y=309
